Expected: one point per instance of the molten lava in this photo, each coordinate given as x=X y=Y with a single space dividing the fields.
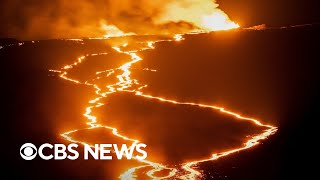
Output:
x=127 y=84
x=206 y=17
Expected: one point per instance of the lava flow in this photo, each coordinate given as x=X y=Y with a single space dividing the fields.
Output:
x=210 y=21
x=127 y=84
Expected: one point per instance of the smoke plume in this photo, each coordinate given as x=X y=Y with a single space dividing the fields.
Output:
x=43 y=19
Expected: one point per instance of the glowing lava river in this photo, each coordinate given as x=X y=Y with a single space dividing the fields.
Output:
x=127 y=84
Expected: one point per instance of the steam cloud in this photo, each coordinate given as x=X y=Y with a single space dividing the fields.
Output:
x=43 y=19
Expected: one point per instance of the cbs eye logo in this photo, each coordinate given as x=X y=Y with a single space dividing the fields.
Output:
x=28 y=151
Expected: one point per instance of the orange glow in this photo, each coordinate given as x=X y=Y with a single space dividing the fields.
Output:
x=112 y=30
x=204 y=15
x=218 y=20
x=125 y=84
x=178 y=37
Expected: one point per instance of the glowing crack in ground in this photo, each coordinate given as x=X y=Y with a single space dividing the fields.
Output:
x=127 y=84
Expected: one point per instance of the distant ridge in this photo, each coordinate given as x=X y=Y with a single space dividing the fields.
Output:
x=8 y=41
